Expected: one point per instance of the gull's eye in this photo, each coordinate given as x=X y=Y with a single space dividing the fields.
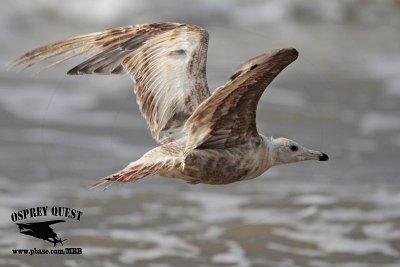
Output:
x=293 y=148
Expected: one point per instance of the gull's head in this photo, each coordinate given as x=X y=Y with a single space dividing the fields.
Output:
x=286 y=151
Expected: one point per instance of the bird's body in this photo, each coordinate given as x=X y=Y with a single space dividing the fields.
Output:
x=204 y=138
x=207 y=166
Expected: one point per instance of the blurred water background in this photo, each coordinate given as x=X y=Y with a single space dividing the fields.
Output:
x=342 y=96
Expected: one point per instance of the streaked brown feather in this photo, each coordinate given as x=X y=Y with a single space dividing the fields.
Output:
x=83 y=44
x=170 y=75
x=228 y=117
x=167 y=61
x=109 y=61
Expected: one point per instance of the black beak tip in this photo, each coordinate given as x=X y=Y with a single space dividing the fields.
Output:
x=323 y=157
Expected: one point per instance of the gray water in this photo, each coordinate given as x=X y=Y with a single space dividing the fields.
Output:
x=59 y=134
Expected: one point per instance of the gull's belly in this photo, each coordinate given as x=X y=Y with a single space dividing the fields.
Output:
x=223 y=166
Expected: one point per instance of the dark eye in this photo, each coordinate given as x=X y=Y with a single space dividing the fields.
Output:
x=293 y=148
x=253 y=67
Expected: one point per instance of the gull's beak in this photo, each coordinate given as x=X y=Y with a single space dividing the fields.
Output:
x=316 y=155
x=323 y=157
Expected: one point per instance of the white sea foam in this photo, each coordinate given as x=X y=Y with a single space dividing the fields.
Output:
x=383 y=231
x=13 y=262
x=148 y=236
x=295 y=250
x=308 y=212
x=321 y=263
x=314 y=200
x=212 y=233
x=132 y=219
x=161 y=244
x=338 y=243
x=216 y=207
x=164 y=245
x=132 y=255
x=234 y=255
x=95 y=251
x=356 y=214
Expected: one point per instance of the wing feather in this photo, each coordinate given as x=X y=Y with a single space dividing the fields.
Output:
x=75 y=46
x=170 y=75
x=228 y=117
x=167 y=62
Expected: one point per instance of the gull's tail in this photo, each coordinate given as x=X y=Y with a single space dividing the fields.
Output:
x=136 y=170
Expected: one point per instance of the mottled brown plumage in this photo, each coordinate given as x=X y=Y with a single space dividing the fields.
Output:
x=204 y=139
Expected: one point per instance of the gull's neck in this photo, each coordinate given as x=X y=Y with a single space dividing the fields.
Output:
x=270 y=149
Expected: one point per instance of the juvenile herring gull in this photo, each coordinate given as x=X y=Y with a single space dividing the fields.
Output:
x=204 y=138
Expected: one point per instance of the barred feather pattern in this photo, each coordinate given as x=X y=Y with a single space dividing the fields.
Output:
x=76 y=46
x=228 y=117
x=170 y=75
x=132 y=174
x=205 y=139
x=167 y=62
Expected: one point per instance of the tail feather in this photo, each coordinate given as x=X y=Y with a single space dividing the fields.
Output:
x=132 y=173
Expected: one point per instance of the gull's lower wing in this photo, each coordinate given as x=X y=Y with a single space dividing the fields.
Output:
x=228 y=117
x=167 y=62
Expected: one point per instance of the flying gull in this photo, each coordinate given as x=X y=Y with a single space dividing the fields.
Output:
x=204 y=138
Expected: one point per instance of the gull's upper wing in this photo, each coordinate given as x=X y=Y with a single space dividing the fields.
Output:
x=167 y=62
x=170 y=74
x=228 y=117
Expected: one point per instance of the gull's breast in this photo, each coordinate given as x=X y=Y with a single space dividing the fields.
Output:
x=223 y=166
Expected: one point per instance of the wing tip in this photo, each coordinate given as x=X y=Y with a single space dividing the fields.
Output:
x=289 y=52
x=72 y=71
x=76 y=71
x=293 y=52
